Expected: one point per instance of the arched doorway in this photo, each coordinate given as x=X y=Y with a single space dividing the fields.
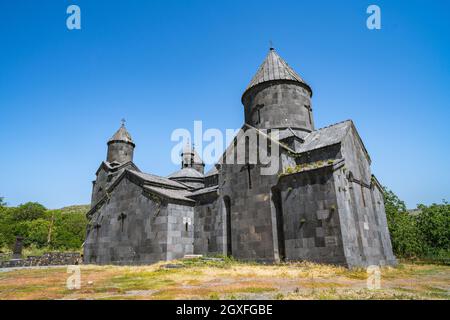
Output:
x=227 y=203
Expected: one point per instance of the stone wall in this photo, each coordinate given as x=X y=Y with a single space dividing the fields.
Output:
x=141 y=237
x=121 y=152
x=47 y=259
x=208 y=235
x=180 y=235
x=278 y=105
x=252 y=223
x=310 y=217
x=363 y=218
x=138 y=227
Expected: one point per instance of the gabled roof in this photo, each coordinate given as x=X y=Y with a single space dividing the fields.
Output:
x=203 y=191
x=108 y=167
x=274 y=68
x=170 y=193
x=122 y=135
x=231 y=148
x=326 y=136
x=186 y=173
x=330 y=135
x=317 y=139
x=166 y=187
x=157 y=180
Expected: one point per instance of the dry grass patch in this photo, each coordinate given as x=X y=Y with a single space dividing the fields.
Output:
x=200 y=279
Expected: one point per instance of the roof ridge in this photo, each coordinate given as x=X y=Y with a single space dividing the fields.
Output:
x=334 y=124
x=163 y=180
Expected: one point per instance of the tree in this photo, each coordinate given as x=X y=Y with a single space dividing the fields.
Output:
x=392 y=203
x=29 y=211
x=69 y=230
x=2 y=202
x=6 y=227
x=406 y=238
x=434 y=223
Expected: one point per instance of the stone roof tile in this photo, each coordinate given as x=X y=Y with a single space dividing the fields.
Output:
x=326 y=136
x=122 y=135
x=186 y=173
x=170 y=193
x=158 y=180
x=274 y=68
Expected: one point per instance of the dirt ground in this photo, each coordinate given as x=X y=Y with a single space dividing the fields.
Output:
x=206 y=279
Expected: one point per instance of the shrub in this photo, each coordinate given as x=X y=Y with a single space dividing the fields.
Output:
x=42 y=228
x=29 y=211
x=425 y=235
x=434 y=224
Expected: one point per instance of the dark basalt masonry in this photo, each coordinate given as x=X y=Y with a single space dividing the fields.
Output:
x=322 y=205
x=47 y=259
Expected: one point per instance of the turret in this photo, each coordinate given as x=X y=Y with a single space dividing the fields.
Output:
x=192 y=169
x=191 y=159
x=277 y=97
x=120 y=146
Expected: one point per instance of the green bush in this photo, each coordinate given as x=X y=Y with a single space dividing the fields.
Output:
x=425 y=235
x=42 y=228
x=69 y=230
x=28 y=211
x=2 y=202
x=434 y=223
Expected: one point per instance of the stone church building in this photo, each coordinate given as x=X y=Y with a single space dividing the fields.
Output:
x=323 y=204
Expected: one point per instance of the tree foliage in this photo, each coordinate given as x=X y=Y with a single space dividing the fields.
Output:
x=53 y=229
x=29 y=211
x=2 y=202
x=434 y=225
x=424 y=233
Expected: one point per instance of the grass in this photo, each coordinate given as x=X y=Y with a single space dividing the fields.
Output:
x=33 y=251
x=228 y=279
x=76 y=209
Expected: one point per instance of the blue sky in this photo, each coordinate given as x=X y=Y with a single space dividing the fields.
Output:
x=164 y=64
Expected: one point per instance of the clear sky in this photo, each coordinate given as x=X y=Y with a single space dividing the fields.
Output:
x=164 y=64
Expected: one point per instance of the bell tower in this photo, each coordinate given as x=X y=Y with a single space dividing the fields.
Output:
x=277 y=97
x=120 y=146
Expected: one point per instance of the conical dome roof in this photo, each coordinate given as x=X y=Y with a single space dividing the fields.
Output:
x=121 y=135
x=274 y=68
